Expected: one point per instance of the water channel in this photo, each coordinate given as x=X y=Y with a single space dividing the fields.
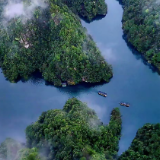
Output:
x=133 y=81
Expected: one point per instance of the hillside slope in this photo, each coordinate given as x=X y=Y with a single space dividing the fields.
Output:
x=141 y=24
x=53 y=42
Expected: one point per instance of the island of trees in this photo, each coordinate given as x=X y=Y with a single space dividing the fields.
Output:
x=76 y=133
x=87 y=9
x=142 y=27
x=146 y=144
x=54 y=43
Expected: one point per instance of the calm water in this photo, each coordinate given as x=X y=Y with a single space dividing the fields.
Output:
x=133 y=81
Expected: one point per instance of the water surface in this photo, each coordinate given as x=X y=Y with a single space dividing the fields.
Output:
x=133 y=81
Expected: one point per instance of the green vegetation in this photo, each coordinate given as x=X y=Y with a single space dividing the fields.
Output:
x=87 y=9
x=142 y=27
x=75 y=132
x=146 y=144
x=13 y=150
x=29 y=154
x=53 y=42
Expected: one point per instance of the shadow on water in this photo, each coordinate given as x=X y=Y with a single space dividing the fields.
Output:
x=81 y=87
x=97 y=18
x=36 y=78
x=120 y=2
x=139 y=56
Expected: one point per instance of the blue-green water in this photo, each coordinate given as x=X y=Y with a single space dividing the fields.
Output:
x=133 y=81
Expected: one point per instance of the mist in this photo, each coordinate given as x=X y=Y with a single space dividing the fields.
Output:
x=20 y=9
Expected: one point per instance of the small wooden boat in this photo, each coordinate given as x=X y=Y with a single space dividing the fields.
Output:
x=124 y=104
x=102 y=94
x=64 y=84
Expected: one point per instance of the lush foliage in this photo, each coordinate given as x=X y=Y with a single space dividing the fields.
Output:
x=29 y=154
x=146 y=144
x=87 y=9
x=75 y=132
x=141 y=24
x=54 y=42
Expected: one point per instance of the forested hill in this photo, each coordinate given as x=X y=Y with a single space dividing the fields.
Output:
x=76 y=133
x=73 y=133
x=146 y=144
x=141 y=24
x=51 y=41
x=87 y=9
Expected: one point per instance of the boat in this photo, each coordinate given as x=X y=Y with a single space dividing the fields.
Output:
x=64 y=84
x=102 y=94
x=124 y=104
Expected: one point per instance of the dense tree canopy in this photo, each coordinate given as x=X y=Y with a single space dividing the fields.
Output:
x=54 y=42
x=29 y=154
x=141 y=24
x=75 y=132
x=87 y=9
x=146 y=144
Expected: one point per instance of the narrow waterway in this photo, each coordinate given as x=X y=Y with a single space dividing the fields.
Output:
x=133 y=81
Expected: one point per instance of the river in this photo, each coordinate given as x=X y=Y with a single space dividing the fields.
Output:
x=133 y=81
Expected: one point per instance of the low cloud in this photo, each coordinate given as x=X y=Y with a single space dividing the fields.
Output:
x=15 y=9
x=107 y=51
x=99 y=109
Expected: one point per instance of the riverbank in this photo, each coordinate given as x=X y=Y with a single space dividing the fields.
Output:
x=52 y=41
x=141 y=28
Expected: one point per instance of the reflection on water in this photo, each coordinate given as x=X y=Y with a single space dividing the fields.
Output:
x=138 y=55
x=36 y=78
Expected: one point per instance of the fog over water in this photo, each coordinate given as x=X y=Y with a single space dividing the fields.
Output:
x=133 y=82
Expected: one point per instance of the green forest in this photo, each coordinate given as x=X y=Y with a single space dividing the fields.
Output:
x=142 y=27
x=73 y=133
x=87 y=9
x=54 y=43
x=76 y=133
x=146 y=144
